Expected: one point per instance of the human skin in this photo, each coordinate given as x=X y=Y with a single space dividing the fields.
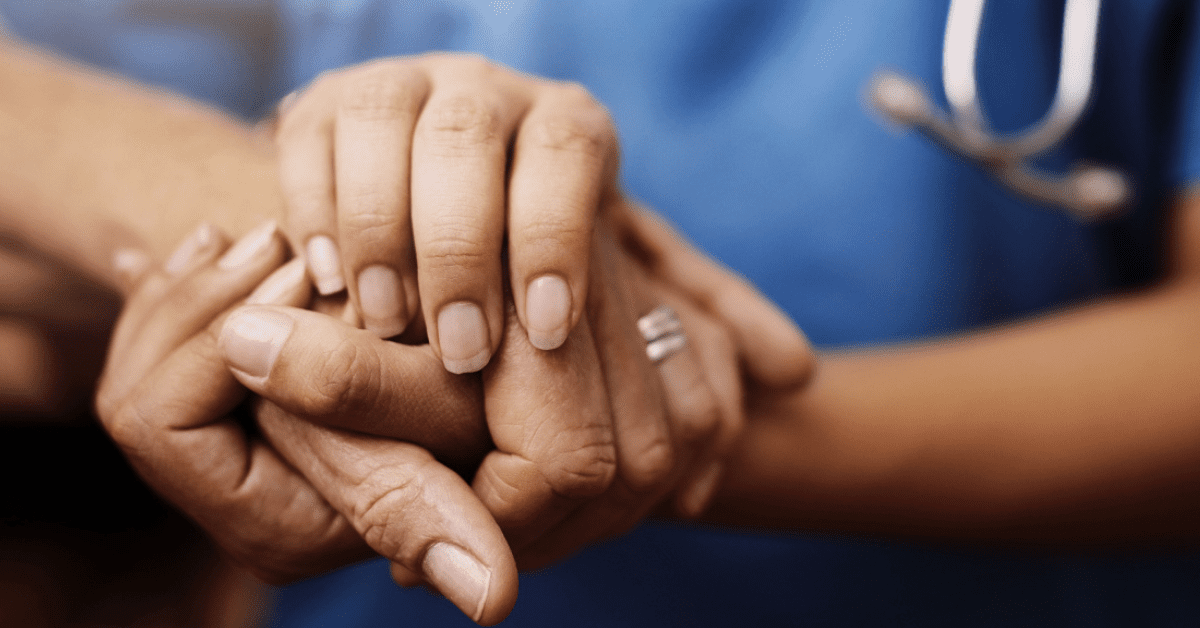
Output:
x=130 y=153
x=1075 y=428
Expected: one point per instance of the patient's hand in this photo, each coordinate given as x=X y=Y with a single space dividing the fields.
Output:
x=168 y=400
x=425 y=168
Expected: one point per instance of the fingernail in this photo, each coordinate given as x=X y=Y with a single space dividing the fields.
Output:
x=463 y=337
x=252 y=338
x=248 y=246
x=461 y=578
x=548 y=311
x=201 y=238
x=130 y=264
x=325 y=264
x=280 y=285
x=381 y=298
x=697 y=496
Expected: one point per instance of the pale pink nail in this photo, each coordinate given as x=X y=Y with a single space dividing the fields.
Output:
x=280 y=286
x=548 y=311
x=252 y=338
x=325 y=264
x=463 y=337
x=201 y=238
x=250 y=245
x=381 y=298
x=458 y=576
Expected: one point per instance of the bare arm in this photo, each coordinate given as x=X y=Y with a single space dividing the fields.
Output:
x=1083 y=426
x=92 y=163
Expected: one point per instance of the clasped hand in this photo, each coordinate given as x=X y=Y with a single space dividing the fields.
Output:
x=352 y=444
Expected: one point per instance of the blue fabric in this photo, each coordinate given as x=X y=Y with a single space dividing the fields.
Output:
x=742 y=121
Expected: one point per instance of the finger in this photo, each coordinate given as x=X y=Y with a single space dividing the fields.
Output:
x=198 y=247
x=201 y=246
x=459 y=160
x=565 y=157
x=549 y=418
x=646 y=456
x=715 y=357
x=305 y=144
x=774 y=351
x=132 y=266
x=644 y=452
x=373 y=139
x=700 y=427
x=175 y=430
x=324 y=370
x=409 y=508
x=191 y=303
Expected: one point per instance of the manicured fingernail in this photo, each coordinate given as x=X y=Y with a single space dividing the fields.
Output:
x=548 y=311
x=696 y=497
x=463 y=337
x=381 y=298
x=325 y=264
x=252 y=338
x=459 y=577
x=201 y=238
x=277 y=288
x=251 y=244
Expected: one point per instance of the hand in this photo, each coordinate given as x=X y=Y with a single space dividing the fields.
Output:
x=772 y=350
x=169 y=402
x=399 y=175
x=589 y=437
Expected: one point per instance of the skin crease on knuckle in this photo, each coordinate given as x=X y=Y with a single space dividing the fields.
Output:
x=376 y=224
x=587 y=132
x=385 y=493
x=347 y=381
x=452 y=251
x=387 y=91
x=461 y=124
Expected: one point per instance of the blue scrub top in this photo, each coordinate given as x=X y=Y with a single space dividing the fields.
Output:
x=743 y=122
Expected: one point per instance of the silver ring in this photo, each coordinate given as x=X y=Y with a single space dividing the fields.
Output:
x=663 y=333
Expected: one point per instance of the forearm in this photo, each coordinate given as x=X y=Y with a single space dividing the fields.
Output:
x=1083 y=426
x=91 y=163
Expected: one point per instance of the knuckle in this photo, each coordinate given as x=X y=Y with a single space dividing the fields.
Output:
x=385 y=92
x=347 y=381
x=556 y=233
x=466 y=65
x=127 y=427
x=374 y=222
x=303 y=196
x=380 y=519
x=584 y=471
x=697 y=414
x=650 y=464
x=455 y=246
x=461 y=123
x=585 y=131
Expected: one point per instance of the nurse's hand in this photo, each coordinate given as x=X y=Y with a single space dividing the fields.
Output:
x=403 y=177
x=307 y=498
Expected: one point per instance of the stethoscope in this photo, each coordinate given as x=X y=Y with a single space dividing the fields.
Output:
x=1089 y=192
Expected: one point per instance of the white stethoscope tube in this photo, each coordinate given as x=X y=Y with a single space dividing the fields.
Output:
x=1089 y=192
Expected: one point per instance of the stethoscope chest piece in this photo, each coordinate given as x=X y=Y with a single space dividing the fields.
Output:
x=1089 y=192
